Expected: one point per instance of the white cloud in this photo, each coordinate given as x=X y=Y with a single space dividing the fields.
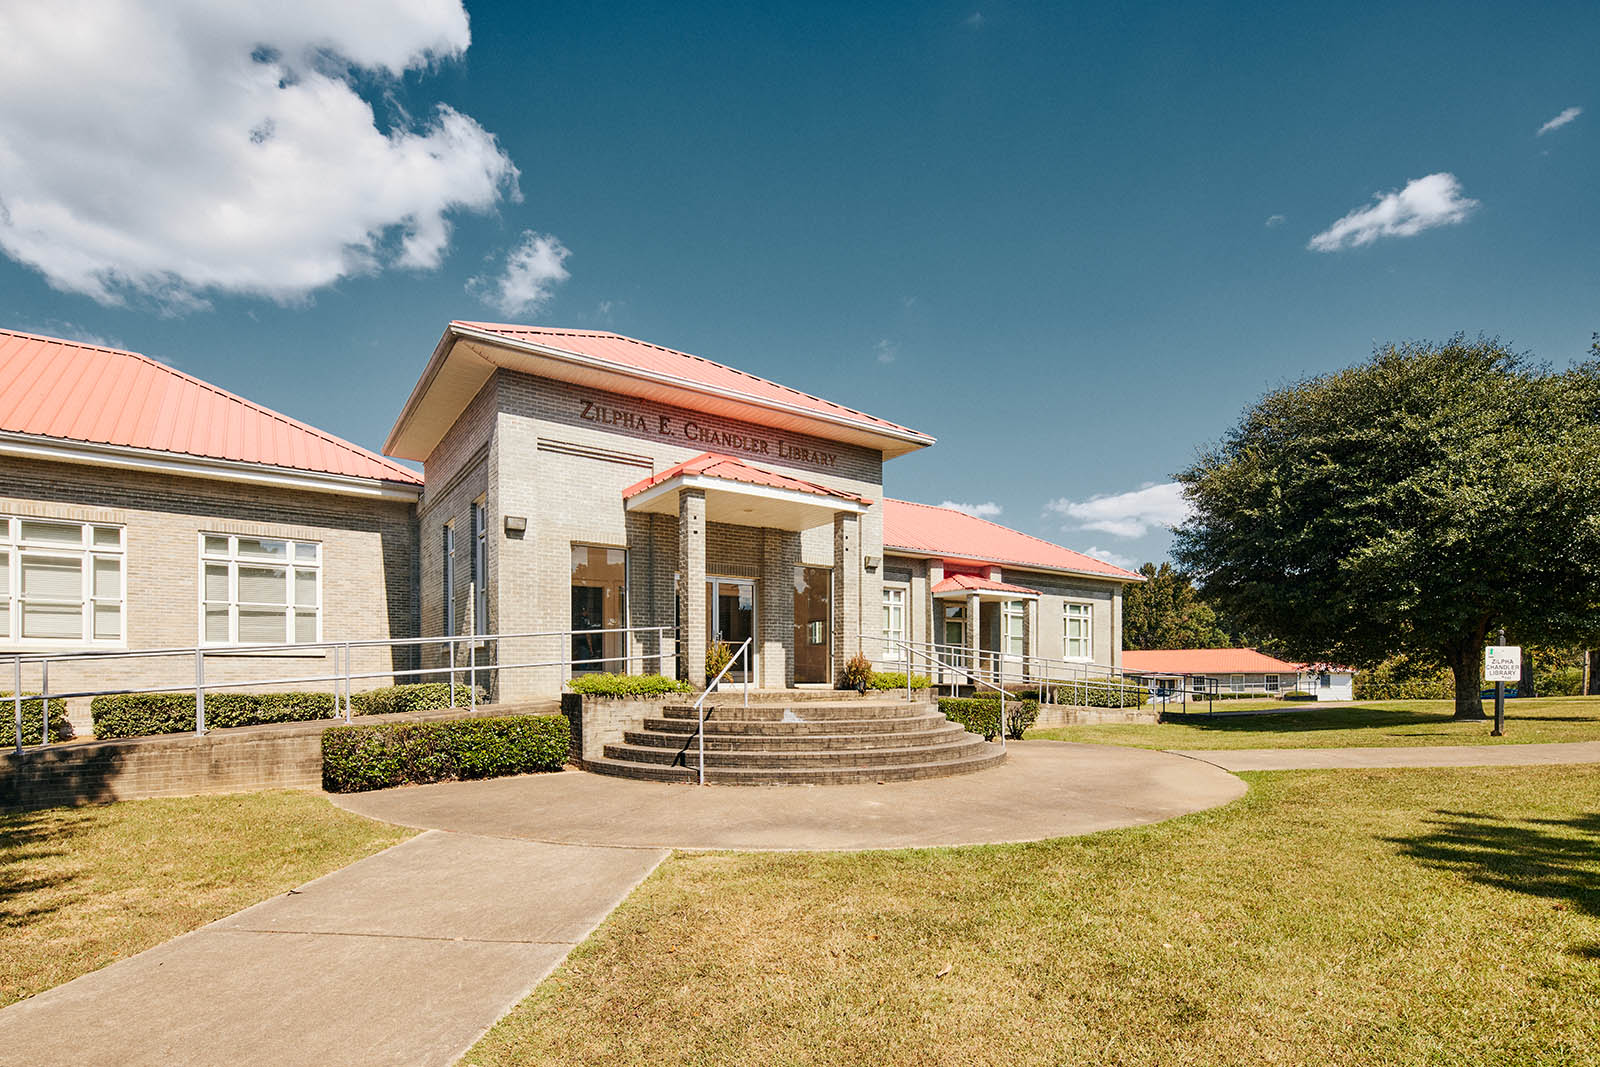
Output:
x=987 y=510
x=1275 y=220
x=531 y=271
x=1131 y=514
x=1424 y=203
x=1127 y=563
x=1560 y=120
x=176 y=149
x=886 y=350
x=975 y=20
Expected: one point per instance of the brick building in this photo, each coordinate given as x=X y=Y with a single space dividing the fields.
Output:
x=572 y=481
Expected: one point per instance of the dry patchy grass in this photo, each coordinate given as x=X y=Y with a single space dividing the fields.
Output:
x=1329 y=917
x=82 y=887
x=1387 y=723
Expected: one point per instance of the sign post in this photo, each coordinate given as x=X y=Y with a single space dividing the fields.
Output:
x=1501 y=664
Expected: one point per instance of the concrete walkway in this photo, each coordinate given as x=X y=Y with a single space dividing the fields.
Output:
x=1044 y=789
x=406 y=957
x=1291 y=759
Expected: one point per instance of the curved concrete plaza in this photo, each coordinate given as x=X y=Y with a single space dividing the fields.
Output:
x=1044 y=789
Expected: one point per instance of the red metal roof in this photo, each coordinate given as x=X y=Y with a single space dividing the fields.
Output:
x=971 y=583
x=79 y=392
x=715 y=465
x=935 y=531
x=1208 y=661
x=644 y=356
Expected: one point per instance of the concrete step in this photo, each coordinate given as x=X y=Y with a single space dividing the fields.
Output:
x=989 y=755
x=732 y=693
x=793 y=742
x=804 y=712
x=964 y=745
x=771 y=728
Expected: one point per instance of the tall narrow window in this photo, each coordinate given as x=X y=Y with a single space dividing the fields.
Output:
x=1014 y=619
x=599 y=604
x=259 y=590
x=894 y=615
x=480 y=569
x=1269 y=682
x=449 y=580
x=1080 y=631
x=1236 y=683
x=61 y=582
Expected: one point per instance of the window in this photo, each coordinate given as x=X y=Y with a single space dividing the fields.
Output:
x=1200 y=683
x=259 y=590
x=894 y=615
x=955 y=623
x=1080 y=631
x=1325 y=680
x=1014 y=619
x=1236 y=683
x=480 y=569
x=1270 y=683
x=449 y=580
x=61 y=582
x=599 y=602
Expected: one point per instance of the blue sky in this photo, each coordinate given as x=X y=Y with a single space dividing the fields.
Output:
x=1072 y=244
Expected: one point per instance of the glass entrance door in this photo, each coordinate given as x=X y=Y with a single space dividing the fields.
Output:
x=731 y=617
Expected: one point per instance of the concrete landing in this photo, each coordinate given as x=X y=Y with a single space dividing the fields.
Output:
x=1044 y=789
x=407 y=957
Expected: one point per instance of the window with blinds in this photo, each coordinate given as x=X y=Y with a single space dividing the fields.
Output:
x=61 y=583
x=259 y=591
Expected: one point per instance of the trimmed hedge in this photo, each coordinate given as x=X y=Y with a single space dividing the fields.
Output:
x=1299 y=694
x=145 y=714
x=627 y=685
x=381 y=755
x=1094 y=696
x=981 y=715
x=897 y=680
x=32 y=729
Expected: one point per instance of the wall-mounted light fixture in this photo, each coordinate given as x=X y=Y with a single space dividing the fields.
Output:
x=516 y=524
x=871 y=562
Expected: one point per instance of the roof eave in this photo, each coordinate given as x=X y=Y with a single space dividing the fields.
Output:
x=922 y=553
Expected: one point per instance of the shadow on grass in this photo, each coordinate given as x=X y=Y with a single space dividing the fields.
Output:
x=23 y=838
x=1554 y=859
x=1305 y=721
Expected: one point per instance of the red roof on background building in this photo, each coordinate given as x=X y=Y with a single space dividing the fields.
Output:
x=715 y=465
x=971 y=583
x=1209 y=661
x=653 y=358
x=934 y=531
x=72 y=391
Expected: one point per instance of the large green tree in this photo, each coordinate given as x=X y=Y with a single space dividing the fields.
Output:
x=1411 y=504
x=1164 y=611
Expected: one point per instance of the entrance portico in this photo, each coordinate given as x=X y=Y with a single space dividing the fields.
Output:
x=960 y=601
x=772 y=509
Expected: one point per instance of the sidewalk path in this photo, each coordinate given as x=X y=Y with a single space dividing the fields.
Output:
x=406 y=957
x=1293 y=759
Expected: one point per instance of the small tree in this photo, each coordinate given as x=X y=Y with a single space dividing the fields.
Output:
x=1408 y=505
x=1164 y=611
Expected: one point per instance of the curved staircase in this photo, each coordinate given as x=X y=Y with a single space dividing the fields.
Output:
x=784 y=739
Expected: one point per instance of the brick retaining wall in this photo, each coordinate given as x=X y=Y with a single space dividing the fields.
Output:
x=241 y=759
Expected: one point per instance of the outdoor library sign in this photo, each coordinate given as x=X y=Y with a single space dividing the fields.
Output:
x=708 y=437
x=1502 y=663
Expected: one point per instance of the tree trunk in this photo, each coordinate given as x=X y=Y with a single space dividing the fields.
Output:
x=1591 y=672
x=1466 y=665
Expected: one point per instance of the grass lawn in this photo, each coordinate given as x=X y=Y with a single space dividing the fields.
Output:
x=1329 y=917
x=1383 y=723
x=82 y=887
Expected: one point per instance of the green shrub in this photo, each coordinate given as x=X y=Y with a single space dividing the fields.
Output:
x=1399 y=678
x=1559 y=682
x=981 y=715
x=857 y=673
x=627 y=685
x=896 y=680
x=32 y=728
x=1299 y=694
x=1090 y=695
x=145 y=714
x=380 y=755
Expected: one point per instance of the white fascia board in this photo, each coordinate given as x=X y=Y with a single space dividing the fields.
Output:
x=920 y=440
x=984 y=594
x=122 y=457
x=727 y=485
x=918 y=553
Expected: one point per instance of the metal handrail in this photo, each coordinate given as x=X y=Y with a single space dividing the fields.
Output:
x=341 y=679
x=711 y=687
x=906 y=649
x=1037 y=670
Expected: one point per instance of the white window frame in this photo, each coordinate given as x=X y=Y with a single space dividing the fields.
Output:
x=480 y=566
x=894 y=617
x=1271 y=683
x=1236 y=683
x=1082 y=613
x=1014 y=627
x=291 y=564
x=15 y=547
x=449 y=579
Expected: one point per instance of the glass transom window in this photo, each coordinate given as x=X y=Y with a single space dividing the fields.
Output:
x=1080 y=631
x=259 y=590
x=61 y=582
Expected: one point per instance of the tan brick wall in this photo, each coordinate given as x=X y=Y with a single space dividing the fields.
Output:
x=368 y=564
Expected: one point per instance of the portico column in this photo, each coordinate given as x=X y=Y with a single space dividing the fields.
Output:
x=974 y=621
x=1030 y=635
x=692 y=584
x=847 y=621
